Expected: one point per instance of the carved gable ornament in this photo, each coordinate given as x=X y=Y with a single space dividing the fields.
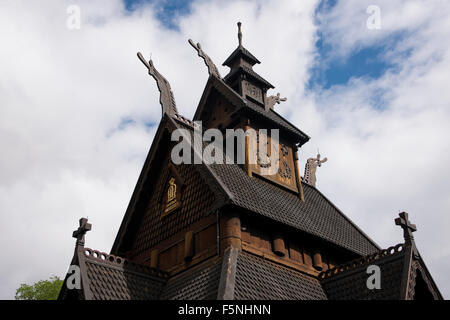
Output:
x=171 y=195
x=285 y=175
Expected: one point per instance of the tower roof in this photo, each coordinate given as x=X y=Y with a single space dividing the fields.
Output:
x=241 y=52
x=241 y=63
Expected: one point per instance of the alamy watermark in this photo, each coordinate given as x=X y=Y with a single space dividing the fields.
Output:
x=74 y=279
x=373 y=22
x=374 y=280
x=73 y=21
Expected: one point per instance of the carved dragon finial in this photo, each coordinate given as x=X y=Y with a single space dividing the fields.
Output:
x=212 y=69
x=239 y=33
x=166 y=98
x=310 y=169
x=272 y=100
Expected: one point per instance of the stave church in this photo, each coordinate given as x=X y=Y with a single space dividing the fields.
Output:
x=228 y=231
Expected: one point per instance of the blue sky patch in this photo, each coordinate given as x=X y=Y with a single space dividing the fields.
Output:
x=167 y=10
x=328 y=71
x=366 y=62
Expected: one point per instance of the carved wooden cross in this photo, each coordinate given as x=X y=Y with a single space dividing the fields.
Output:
x=81 y=231
x=408 y=227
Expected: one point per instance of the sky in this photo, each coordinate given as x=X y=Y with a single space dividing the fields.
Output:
x=79 y=111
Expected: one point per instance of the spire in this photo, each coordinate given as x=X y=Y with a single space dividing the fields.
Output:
x=239 y=34
x=240 y=53
x=242 y=78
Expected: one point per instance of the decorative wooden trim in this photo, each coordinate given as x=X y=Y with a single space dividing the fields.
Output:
x=174 y=180
x=248 y=167
x=228 y=275
x=297 y=175
x=189 y=245
x=317 y=261
x=199 y=258
x=154 y=258
x=283 y=261
x=279 y=247
x=230 y=231
x=196 y=227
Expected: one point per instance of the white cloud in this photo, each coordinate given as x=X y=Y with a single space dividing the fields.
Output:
x=68 y=151
x=395 y=157
x=66 y=96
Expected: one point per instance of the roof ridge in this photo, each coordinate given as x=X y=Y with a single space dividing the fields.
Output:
x=121 y=262
x=183 y=119
x=251 y=73
x=243 y=51
x=362 y=261
x=289 y=122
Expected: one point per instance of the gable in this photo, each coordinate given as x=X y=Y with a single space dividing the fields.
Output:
x=421 y=285
x=402 y=276
x=155 y=223
x=200 y=194
x=349 y=281
x=219 y=113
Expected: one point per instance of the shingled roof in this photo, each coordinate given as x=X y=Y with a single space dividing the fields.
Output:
x=317 y=215
x=244 y=105
x=108 y=277
x=404 y=276
x=248 y=72
x=261 y=279
x=274 y=117
x=240 y=50
x=198 y=283
x=240 y=275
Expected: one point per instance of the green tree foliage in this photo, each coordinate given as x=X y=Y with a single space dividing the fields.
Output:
x=41 y=290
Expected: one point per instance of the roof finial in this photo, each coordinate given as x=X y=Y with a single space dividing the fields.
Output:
x=212 y=69
x=310 y=169
x=272 y=100
x=239 y=33
x=408 y=229
x=166 y=98
x=81 y=231
x=407 y=226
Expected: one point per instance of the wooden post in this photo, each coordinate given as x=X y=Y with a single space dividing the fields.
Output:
x=188 y=245
x=154 y=258
x=317 y=260
x=247 y=151
x=278 y=245
x=230 y=232
x=298 y=178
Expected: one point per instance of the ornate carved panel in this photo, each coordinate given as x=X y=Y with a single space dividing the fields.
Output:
x=252 y=91
x=285 y=174
x=171 y=197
